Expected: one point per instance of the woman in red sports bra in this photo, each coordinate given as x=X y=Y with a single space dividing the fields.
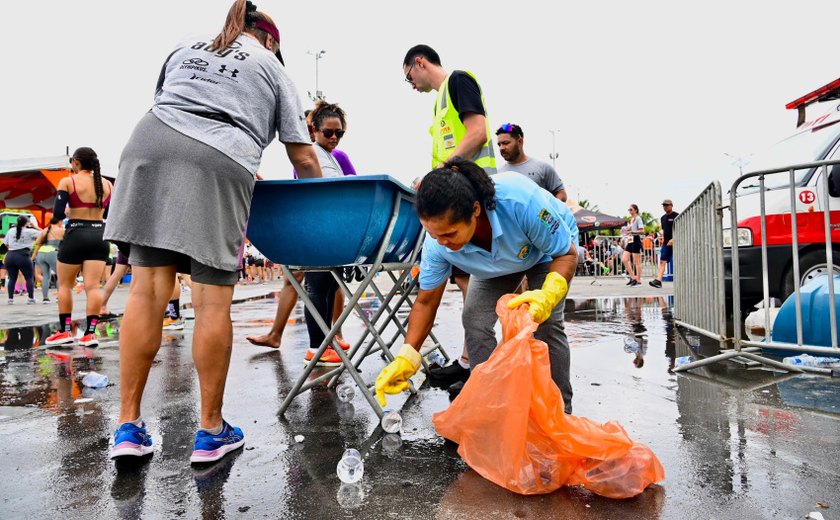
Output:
x=84 y=197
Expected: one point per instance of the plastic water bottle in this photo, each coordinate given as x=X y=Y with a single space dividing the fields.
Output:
x=435 y=358
x=680 y=361
x=95 y=380
x=391 y=421
x=345 y=392
x=806 y=360
x=630 y=345
x=350 y=468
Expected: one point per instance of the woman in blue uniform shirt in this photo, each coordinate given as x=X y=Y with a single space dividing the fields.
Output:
x=498 y=230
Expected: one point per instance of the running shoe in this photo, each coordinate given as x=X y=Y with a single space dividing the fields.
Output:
x=210 y=448
x=11 y=301
x=173 y=323
x=448 y=375
x=655 y=283
x=88 y=340
x=329 y=359
x=343 y=343
x=31 y=301
x=45 y=301
x=631 y=282
x=60 y=338
x=131 y=440
x=635 y=283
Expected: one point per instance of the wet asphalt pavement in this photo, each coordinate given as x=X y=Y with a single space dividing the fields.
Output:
x=735 y=443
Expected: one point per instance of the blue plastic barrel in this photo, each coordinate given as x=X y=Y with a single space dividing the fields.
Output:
x=332 y=222
x=816 y=322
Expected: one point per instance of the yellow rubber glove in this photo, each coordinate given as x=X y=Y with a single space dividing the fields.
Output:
x=394 y=378
x=542 y=301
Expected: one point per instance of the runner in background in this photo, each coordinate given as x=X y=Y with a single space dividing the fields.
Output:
x=83 y=249
x=45 y=254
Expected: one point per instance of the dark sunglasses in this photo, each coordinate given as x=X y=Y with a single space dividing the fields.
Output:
x=328 y=133
x=408 y=75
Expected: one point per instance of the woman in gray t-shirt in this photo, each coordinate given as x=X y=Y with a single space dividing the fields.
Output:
x=182 y=201
x=19 y=242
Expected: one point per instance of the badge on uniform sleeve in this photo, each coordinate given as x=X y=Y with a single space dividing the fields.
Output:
x=449 y=141
x=549 y=221
x=524 y=252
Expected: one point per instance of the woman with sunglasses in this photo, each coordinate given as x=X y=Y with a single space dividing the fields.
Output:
x=328 y=123
x=187 y=176
x=288 y=297
x=633 y=254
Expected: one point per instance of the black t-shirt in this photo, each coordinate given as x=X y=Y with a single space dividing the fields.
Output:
x=465 y=94
x=667 y=222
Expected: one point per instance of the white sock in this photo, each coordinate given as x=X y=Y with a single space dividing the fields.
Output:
x=137 y=422
x=465 y=366
x=214 y=431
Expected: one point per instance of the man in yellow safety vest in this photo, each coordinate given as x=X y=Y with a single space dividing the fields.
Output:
x=460 y=127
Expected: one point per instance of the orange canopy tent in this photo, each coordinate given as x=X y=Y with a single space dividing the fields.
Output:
x=31 y=184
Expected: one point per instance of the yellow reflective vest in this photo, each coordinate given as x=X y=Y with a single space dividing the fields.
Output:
x=447 y=131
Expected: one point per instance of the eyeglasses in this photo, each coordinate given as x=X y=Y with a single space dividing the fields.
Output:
x=329 y=132
x=408 y=75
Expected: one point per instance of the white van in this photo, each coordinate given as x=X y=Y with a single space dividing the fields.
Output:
x=817 y=138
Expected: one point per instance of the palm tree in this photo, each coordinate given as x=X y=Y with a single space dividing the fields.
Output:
x=584 y=203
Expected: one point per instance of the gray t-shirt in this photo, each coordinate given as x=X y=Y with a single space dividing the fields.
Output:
x=28 y=236
x=538 y=171
x=235 y=100
x=329 y=166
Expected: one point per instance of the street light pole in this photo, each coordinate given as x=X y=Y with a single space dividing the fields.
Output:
x=553 y=155
x=318 y=55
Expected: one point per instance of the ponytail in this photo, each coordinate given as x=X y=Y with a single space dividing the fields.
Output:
x=244 y=17
x=455 y=188
x=21 y=223
x=234 y=25
x=97 y=183
x=88 y=160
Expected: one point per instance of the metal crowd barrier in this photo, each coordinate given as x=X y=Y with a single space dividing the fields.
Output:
x=601 y=253
x=691 y=294
x=699 y=291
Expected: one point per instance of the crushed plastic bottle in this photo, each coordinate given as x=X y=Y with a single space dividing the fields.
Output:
x=630 y=344
x=299 y=438
x=345 y=392
x=391 y=421
x=350 y=496
x=435 y=358
x=350 y=468
x=806 y=360
x=95 y=380
x=680 y=361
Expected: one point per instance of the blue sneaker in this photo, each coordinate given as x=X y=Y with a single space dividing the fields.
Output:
x=210 y=448
x=131 y=441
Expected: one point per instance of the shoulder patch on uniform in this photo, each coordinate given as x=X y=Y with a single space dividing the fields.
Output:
x=549 y=220
x=525 y=251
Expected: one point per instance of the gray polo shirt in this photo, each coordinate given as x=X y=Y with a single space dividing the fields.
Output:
x=235 y=100
x=538 y=171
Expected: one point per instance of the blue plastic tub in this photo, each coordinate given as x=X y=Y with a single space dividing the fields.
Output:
x=332 y=222
x=816 y=323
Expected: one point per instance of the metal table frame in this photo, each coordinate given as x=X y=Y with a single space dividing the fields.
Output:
x=374 y=327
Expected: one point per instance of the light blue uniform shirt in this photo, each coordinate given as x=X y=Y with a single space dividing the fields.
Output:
x=530 y=226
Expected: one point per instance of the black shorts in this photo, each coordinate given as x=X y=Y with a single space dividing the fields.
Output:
x=259 y=262
x=83 y=241
x=635 y=246
x=143 y=256
x=665 y=253
x=250 y=260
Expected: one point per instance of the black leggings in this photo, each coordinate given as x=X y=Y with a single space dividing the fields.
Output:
x=17 y=262
x=321 y=287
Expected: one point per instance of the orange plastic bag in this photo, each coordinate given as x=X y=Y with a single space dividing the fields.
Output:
x=511 y=428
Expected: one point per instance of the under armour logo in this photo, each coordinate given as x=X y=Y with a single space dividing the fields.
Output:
x=233 y=72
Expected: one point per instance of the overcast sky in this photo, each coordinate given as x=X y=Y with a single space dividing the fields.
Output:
x=646 y=97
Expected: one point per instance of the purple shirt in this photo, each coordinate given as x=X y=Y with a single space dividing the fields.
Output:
x=342 y=159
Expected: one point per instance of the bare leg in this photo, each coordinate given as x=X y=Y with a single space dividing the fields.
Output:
x=111 y=285
x=661 y=273
x=625 y=260
x=92 y=271
x=66 y=280
x=463 y=282
x=338 y=308
x=212 y=344
x=637 y=263
x=140 y=333
x=285 y=305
